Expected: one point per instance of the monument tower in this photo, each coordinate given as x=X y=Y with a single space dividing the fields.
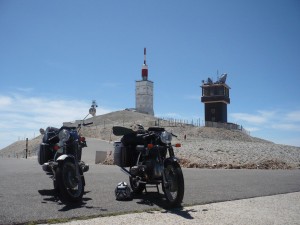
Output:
x=144 y=91
x=215 y=96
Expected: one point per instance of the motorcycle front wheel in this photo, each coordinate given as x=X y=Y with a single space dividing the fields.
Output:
x=174 y=190
x=70 y=187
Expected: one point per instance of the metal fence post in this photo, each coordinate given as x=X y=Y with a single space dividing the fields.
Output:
x=26 y=149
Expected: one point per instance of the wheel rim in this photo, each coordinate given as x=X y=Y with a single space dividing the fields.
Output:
x=171 y=190
x=134 y=183
x=72 y=183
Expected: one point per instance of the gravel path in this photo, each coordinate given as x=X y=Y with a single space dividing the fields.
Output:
x=277 y=209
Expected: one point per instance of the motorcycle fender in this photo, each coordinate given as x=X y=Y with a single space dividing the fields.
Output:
x=65 y=157
x=171 y=160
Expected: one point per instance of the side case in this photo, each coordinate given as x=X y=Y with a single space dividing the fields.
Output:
x=44 y=153
x=123 y=156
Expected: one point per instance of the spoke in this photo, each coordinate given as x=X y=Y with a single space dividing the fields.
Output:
x=172 y=188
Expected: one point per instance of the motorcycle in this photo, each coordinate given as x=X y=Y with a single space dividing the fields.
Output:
x=151 y=160
x=60 y=156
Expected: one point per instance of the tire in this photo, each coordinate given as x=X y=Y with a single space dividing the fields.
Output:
x=174 y=192
x=70 y=189
x=55 y=186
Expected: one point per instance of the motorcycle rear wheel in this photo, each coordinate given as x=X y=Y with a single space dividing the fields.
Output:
x=174 y=191
x=71 y=188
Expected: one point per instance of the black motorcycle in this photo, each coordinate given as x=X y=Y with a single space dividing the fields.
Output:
x=151 y=160
x=60 y=156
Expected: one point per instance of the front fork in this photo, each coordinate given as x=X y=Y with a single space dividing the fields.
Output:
x=172 y=159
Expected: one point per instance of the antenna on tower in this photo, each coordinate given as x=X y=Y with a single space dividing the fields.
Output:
x=145 y=56
x=209 y=81
x=145 y=67
x=222 y=79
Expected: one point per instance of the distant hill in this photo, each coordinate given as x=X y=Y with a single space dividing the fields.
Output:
x=203 y=147
x=17 y=149
x=102 y=128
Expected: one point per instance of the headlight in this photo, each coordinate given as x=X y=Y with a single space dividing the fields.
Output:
x=166 y=137
x=64 y=135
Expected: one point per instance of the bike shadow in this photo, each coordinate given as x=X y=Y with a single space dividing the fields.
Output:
x=51 y=195
x=158 y=199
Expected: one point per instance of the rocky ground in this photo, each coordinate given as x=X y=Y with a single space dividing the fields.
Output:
x=203 y=147
x=219 y=148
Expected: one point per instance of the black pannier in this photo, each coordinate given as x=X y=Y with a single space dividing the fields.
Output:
x=133 y=139
x=124 y=156
x=44 y=153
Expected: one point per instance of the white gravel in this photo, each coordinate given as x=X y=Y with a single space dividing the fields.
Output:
x=277 y=209
x=211 y=153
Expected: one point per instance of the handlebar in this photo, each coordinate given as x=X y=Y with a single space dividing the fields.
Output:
x=174 y=135
x=86 y=124
x=83 y=124
x=148 y=136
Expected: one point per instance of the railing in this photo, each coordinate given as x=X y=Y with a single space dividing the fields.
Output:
x=229 y=126
x=170 y=122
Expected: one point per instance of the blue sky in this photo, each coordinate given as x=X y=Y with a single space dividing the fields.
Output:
x=58 y=56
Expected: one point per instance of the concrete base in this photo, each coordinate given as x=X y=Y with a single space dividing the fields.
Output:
x=100 y=157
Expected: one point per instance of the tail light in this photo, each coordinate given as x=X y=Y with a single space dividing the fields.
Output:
x=82 y=139
x=150 y=146
x=178 y=145
x=56 y=147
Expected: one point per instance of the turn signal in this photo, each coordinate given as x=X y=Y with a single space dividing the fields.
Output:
x=178 y=145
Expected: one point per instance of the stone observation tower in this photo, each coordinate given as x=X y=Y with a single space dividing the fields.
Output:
x=144 y=91
x=215 y=96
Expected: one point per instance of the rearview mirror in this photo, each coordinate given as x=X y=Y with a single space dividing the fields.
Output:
x=92 y=111
x=42 y=131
